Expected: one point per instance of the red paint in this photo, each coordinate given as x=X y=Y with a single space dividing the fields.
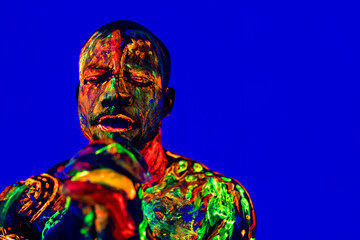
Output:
x=155 y=157
x=123 y=225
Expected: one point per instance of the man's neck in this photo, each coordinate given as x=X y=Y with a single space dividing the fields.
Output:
x=155 y=157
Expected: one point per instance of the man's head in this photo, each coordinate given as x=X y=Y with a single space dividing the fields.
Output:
x=124 y=71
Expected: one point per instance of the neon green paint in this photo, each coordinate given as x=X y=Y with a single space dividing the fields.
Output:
x=107 y=36
x=188 y=195
x=245 y=205
x=197 y=167
x=229 y=224
x=140 y=193
x=226 y=179
x=89 y=218
x=95 y=36
x=52 y=221
x=119 y=149
x=67 y=203
x=133 y=66
x=190 y=178
x=89 y=222
x=220 y=208
x=170 y=181
x=189 y=191
x=244 y=202
x=149 y=190
x=84 y=232
x=5 y=205
x=79 y=174
x=142 y=229
x=182 y=166
x=138 y=94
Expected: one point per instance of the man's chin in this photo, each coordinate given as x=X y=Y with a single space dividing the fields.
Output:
x=118 y=136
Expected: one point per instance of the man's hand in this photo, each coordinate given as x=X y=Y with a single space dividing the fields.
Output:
x=105 y=176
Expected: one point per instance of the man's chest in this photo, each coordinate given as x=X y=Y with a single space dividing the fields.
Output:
x=175 y=209
x=172 y=214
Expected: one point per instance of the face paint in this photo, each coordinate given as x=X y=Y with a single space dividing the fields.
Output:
x=120 y=87
x=138 y=96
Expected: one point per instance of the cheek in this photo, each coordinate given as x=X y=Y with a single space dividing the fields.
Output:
x=83 y=102
x=82 y=116
x=153 y=108
x=87 y=97
x=146 y=103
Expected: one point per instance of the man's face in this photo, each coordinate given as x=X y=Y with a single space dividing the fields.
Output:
x=120 y=91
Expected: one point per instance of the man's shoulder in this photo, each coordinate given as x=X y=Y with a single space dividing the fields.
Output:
x=190 y=167
x=219 y=185
x=217 y=200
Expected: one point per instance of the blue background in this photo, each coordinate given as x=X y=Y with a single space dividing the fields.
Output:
x=267 y=92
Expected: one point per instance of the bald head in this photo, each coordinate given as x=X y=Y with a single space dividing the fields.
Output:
x=144 y=43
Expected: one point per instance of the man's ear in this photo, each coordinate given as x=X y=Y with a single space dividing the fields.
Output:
x=169 y=99
x=77 y=94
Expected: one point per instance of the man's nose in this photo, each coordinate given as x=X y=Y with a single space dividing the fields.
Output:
x=116 y=93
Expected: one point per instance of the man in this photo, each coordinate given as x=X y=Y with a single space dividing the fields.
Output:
x=110 y=190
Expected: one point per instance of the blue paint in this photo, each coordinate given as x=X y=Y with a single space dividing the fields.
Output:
x=199 y=216
x=198 y=219
x=238 y=221
x=153 y=104
x=83 y=119
x=187 y=215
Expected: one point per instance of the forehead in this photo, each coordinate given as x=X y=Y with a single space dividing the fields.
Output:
x=110 y=48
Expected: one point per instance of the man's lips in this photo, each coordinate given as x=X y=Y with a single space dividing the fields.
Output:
x=115 y=123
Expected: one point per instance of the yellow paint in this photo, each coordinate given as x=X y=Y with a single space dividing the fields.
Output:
x=110 y=178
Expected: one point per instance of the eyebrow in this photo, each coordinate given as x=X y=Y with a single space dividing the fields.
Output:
x=137 y=67
x=96 y=67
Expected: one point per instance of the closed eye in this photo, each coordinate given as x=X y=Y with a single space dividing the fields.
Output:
x=96 y=80
x=139 y=81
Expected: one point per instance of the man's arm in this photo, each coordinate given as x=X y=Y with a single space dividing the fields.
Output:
x=35 y=208
x=27 y=206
